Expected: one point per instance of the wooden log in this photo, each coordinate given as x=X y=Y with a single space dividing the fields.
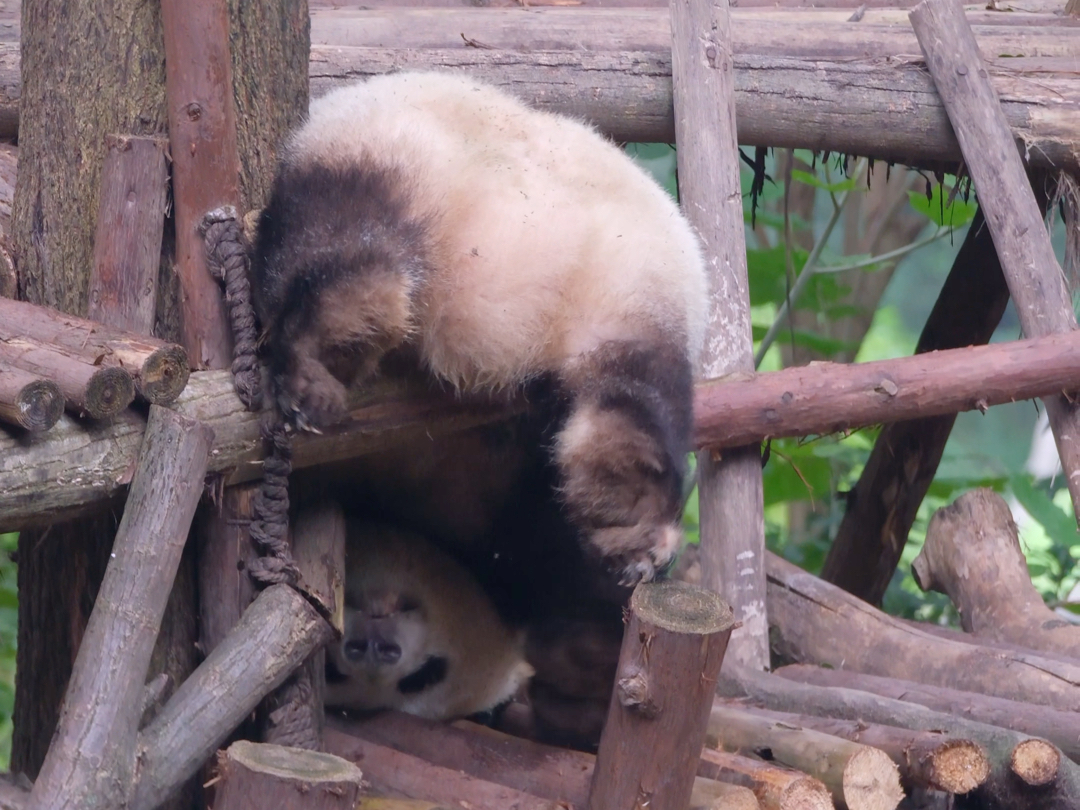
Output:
x=1058 y=727
x=1035 y=279
x=672 y=649
x=729 y=486
x=277 y=632
x=206 y=168
x=559 y=774
x=826 y=398
x=13 y=795
x=815 y=622
x=91 y=761
x=160 y=369
x=94 y=391
x=885 y=108
x=127 y=245
x=883 y=504
x=776 y=787
x=858 y=776
x=708 y=794
x=1002 y=791
x=396 y=774
x=972 y=554
x=930 y=760
x=28 y=401
x=254 y=776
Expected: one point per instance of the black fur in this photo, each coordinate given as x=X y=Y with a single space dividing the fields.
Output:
x=432 y=672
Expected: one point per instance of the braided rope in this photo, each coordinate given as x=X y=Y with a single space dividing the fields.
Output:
x=227 y=260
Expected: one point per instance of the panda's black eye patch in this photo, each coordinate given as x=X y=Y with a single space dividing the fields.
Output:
x=408 y=604
x=431 y=673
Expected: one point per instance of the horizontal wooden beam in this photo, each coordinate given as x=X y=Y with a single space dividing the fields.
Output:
x=807 y=79
x=75 y=466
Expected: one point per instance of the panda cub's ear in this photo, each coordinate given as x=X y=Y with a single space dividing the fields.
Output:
x=502 y=246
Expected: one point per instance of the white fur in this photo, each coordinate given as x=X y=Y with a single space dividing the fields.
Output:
x=452 y=618
x=550 y=239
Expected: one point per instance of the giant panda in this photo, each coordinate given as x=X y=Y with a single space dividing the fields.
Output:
x=420 y=634
x=430 y=222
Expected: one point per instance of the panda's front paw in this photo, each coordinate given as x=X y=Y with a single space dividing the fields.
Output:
x=638 y=553
x=312 y=399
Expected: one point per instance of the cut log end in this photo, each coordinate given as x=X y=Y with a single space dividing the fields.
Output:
x=960 y=766
x=872 y=781
x=108 y=392
x=1036 y=762
x=36 y=407
x=164 y=374
x=681 y=608
x=261 y=775
x=806 y=794
x=712 y=795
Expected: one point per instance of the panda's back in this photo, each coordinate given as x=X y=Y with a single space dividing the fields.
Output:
x=531 y=221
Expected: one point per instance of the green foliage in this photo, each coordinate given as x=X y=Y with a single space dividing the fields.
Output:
x=9 y=613
x=942 y=207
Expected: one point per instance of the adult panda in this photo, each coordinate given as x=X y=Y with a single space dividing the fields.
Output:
x=431 y=220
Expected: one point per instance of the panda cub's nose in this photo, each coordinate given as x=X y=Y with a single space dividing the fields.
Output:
x=378 y=650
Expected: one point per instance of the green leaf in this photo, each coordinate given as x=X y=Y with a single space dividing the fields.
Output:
x=766 y=270
x=953 y=214
x=813 y=180
x=1059 y=527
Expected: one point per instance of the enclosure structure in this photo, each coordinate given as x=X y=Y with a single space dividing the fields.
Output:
x=796 y=78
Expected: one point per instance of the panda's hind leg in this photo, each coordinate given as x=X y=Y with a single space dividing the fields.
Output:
x=621 y=452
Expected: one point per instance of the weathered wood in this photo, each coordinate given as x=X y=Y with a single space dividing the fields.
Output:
x=127 y=246
x=1058 y=727
x=708 y=794
x=254 y=776
x=672 y=649
x=29 y=401
x=277 y=632
x=202 y=140
x=886 y=108
x=397 y=774
x=84 y=465
x=833 y=397
x=972 y=554
x=91 y=761
x=729 y=486
x=1002 y=791
x=776 y=787
x=1035 y=279
x=815 y=622
x=95 y=391
x=160 y=369
x=1036 y=762
x=931 y=760
x=858 y=776
x=318 y=547
x=883 y=504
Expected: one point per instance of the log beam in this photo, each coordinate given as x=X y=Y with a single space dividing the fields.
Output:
x=1036 y=281
x=28 y=401
x=674 y=643
x=972 y=554
x=91 y=761
x=75 y=466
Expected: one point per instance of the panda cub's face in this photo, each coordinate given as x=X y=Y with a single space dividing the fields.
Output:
x=385 y=640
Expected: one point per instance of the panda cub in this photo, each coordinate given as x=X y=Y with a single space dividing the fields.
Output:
x=501 y=249
x=420 y=634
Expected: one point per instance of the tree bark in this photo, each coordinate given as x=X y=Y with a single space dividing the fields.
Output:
x=972 y=554
x=674 y=643
x=730 y=494
x=255 y=777
x=91 y=762
x=859 y=776
x=1060 y=728
x=1001 y=791
x=815 y=622
x=883 y=504
x=1036 y=282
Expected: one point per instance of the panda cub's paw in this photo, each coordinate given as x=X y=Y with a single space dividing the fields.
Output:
x=311 y=397
x=647 y=550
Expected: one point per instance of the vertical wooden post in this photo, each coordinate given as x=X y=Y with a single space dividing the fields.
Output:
x=127 y=244
x=729 y=486
x=672 y=649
